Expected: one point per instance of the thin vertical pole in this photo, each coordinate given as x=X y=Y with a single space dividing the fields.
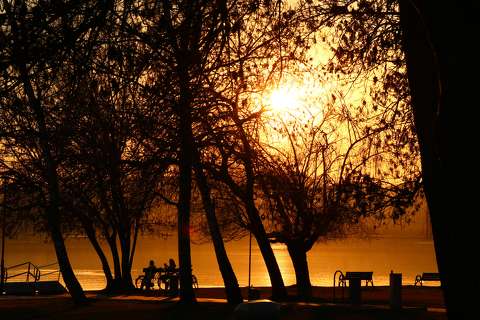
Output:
x=426 y=226
x=249 y=260
x=2 y=262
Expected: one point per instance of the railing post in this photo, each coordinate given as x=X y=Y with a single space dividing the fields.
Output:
x=334 y=282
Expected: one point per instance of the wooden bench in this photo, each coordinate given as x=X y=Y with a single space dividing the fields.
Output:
x=362 y=275
x=427 y=276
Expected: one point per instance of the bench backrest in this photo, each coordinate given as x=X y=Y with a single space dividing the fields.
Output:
x=432 y=276
x=357 y=274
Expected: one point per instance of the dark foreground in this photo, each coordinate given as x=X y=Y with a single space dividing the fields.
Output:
x=420 y=303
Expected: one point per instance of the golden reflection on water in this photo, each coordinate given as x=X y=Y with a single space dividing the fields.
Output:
x=408 y=256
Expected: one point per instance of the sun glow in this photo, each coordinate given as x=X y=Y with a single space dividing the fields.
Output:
x=298 y=101
x=294 y=101
x=297 y=96
x=285 y=99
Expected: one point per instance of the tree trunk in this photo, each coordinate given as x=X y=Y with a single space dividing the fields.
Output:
x=90 y=231
x=232 y=289
x=439 y=43
x=298 y=254
x=134 y=244
x=187 y=294
x=68 y=276
x=112 y=243
x=279 y=292
x=184 y=253
x=127 y=282
x=52 y=213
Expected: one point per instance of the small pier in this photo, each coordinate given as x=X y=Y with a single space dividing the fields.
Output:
x=29 y=279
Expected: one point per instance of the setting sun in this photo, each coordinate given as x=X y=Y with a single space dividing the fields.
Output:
x=284 y=99
x=297 y=97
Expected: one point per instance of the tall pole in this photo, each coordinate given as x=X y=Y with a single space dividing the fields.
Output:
x=324 y=173
x=249 y=260
x=4 y=213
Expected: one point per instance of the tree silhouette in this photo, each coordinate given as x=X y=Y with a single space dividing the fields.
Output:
x=182 y=36
x=435 y=64
x=252 y=59
x=318 y=183
x=441 y=59
x=115 y=165
x=31 y=80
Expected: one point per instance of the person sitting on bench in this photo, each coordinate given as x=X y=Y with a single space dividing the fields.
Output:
x=170 y=276
x=149 y=275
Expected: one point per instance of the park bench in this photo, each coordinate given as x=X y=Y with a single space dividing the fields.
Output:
x=427 y=276
x=163 y=279
x=349 y=275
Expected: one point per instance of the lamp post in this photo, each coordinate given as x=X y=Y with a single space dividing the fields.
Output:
x=249 y=260
x=4 y=213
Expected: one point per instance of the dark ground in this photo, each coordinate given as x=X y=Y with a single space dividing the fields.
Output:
x=140 y=307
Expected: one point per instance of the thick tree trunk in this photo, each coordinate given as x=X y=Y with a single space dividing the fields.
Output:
x=68 y=276
x=298 y=254
x=439 y=42
x=127 y=282
x=187 y=294
x=184 y=253
x=232 y=289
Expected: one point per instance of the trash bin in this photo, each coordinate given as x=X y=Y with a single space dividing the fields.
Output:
x=395 y=290
x=253 y=294
x=355 y=290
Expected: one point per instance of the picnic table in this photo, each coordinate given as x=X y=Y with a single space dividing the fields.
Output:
x=349 y=275
x=354 y=278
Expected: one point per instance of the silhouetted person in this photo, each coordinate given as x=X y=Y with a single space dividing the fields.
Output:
x=170 y=278
x=149 y=275
x=171 y=266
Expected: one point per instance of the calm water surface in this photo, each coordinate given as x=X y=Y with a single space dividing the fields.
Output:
x=410 y=256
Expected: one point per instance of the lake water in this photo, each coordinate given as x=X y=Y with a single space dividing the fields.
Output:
x=409 y=256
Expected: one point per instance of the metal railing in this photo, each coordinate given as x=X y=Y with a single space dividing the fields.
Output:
x=340 y=276
x=31 y=271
